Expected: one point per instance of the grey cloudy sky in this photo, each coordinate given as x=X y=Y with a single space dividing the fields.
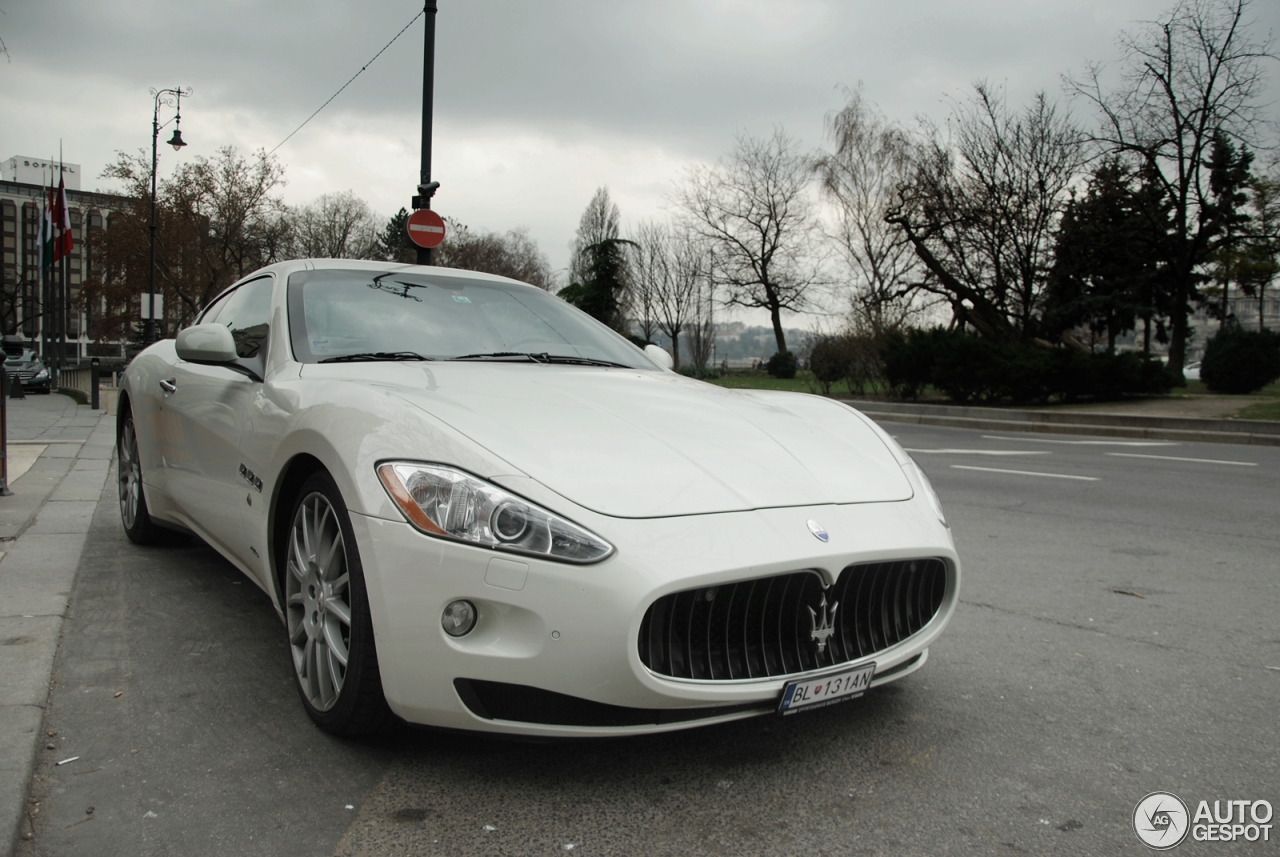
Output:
x=537 y=103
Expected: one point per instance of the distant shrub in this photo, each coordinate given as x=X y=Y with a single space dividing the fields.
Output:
x=782 y=365
x=969 y=368
x=1241 y=361
x=830 y=362
x=908 y=361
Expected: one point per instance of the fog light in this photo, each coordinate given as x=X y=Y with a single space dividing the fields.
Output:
x=458 y=618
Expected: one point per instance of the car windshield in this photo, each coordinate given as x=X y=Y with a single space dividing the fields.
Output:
x=341 y=315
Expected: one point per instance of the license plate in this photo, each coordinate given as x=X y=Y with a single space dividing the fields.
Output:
x=824 y=690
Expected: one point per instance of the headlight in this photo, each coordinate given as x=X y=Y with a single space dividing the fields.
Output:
x=929 y=493
x=41 y=375
x=451 y=504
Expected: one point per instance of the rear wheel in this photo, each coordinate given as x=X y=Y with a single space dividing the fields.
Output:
x=138 y=525
x=331 y=642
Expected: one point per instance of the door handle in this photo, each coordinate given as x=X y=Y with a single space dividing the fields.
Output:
x=169 y=386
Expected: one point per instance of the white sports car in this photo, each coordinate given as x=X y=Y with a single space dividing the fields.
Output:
x=476 y=507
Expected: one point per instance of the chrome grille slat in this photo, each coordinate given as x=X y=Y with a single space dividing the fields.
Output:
x=761 y=627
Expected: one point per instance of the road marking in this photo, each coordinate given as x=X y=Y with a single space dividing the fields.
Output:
x=1086 y=442
x=1025 y=473
x=981 y=451
x=1177 y=458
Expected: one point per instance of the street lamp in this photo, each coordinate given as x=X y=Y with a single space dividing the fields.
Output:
x=167 y=97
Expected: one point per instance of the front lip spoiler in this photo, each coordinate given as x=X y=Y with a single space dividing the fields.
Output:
x=518 y=703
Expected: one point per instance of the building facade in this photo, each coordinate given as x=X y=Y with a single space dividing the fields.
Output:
x=47 y=315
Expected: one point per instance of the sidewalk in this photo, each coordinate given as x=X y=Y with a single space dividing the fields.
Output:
x=60 y=455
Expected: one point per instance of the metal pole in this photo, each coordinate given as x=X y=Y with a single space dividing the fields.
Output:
x=4 y=435
x=428 y=92
x=93 y=383
x=149 y=331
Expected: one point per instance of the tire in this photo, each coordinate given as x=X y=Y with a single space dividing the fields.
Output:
x=138 y=525
x=327 y=615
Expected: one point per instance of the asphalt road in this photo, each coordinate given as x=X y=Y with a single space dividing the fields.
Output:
x=1118 y=634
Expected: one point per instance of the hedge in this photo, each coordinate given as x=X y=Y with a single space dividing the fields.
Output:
x=1241 y=361
x=968 y=368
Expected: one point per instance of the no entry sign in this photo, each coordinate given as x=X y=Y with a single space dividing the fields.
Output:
x=426 y=228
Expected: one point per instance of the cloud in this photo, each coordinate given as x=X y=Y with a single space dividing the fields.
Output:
x=537 y=103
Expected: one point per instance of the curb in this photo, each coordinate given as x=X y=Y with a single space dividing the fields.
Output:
x=1186 y=429
x=45 y=533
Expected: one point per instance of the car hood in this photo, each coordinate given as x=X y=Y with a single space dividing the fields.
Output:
x=639 y=444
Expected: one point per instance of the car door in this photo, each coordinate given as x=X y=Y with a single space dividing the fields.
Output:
x=209 y=405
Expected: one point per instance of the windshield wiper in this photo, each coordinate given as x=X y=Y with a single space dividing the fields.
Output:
x=376 y=355
x=541 y=357
x=583 y=361
x=503 y=355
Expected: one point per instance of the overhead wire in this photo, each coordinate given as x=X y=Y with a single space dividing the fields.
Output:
x=348 y=83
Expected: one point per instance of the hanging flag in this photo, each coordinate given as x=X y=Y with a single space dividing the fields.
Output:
x=46 y=233
x=63 y=241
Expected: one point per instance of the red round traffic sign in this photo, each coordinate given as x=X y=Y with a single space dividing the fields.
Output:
x=426 y=228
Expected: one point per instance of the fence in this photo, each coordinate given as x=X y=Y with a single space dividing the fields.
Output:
x=79 y=379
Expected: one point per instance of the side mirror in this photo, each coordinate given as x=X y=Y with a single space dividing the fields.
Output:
x=658 y=355
x=206 y=343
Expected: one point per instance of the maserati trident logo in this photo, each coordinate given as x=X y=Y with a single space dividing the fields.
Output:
x=818 y=533
x=821 y=630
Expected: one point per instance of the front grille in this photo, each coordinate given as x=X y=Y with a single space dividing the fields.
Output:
x=497 y=700
x=764 y=627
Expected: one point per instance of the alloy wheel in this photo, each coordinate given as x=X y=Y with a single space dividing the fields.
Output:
x=130 y=473
x=318 y=601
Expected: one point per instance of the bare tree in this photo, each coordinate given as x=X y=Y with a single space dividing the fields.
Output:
x=679 y=297
x=232 y=194
x=981 y=208
x=860 y=177
x=600 y=221
x=754 y=210
x=701 y=334
x=335 y=226
x=649 y=270
x=1264 y=242
x=513 y=254
x=1185 y=77
x=218 y=219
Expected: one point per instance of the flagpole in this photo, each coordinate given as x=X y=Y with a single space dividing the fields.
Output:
x=41 y=238
x=64 y=268
x=55 y=291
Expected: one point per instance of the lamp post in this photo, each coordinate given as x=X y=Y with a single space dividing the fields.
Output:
x=161 y=97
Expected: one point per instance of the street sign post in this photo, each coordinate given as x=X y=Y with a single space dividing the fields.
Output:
x=426 y=228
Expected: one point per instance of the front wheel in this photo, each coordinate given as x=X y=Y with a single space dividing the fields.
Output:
x=331 y=642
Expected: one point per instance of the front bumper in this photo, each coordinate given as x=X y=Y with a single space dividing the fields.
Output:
x=29 y=381
x=573 y=630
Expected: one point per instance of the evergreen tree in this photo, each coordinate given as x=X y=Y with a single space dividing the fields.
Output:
x=394 y=240
x=601 y=294
x=1104 y=274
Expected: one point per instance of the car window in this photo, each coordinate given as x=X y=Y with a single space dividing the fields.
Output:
x=246 y=312
x=210 y=313
x=333 y=313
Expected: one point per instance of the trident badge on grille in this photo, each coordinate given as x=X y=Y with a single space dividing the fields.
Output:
x=824 y=629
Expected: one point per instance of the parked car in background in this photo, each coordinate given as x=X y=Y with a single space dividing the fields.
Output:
x=1191 y=371
x=25 y=365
